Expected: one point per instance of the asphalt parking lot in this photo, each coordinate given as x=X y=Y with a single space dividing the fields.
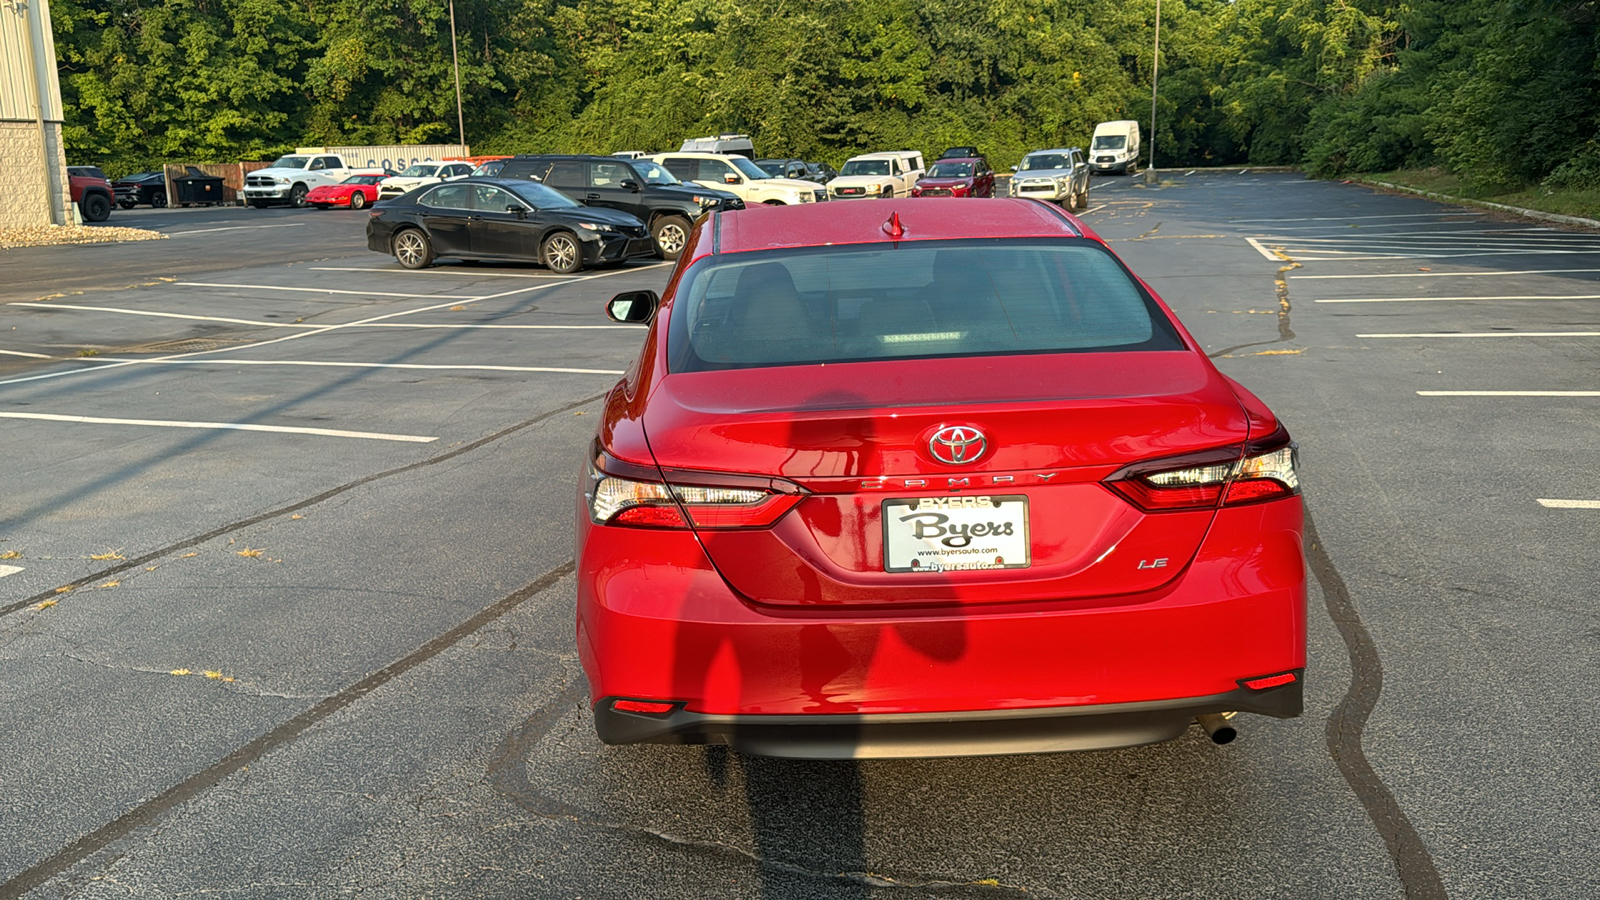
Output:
x=285 y=606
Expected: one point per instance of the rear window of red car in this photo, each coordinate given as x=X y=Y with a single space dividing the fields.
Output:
x=917 y=300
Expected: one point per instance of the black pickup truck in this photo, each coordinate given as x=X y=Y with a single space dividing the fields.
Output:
x=637 y=186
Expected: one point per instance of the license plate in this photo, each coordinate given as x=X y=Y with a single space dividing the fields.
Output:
x=955 y=533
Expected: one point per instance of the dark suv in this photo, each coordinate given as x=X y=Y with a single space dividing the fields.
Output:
x=91 y=191
x=637 y=186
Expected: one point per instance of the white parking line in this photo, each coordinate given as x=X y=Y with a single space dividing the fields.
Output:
x=1486 y=334
x=1569 y=504
x=223 y=426
x=327 y=328
x=1454 y=299
x=28 y=355
x=463 y=273
x=264 y=287
x=9 y=570
x=1508 y=393
x=1426 y=215
x=336 y=364
x=161 y=315
x=232 y=228
x=1262 y=250
x=1453 y=274
x=167 y=315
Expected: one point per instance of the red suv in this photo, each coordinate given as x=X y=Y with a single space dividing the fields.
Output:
x=952 y=483
x=91 y=191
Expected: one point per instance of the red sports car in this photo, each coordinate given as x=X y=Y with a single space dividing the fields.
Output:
x=953 y=483
x=956 y=178
x=356 y=192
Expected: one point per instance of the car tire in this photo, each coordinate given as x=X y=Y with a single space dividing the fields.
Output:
x=562 y=253
x=671 y=234
x=888 y=194
x=95 y=208
x=158 y=200
x=358 y=200
x=127 y=203
x=412 y=249
x=297 y=196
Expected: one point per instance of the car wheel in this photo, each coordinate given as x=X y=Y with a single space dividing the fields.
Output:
x=562 y=254
x=297 y=195
x=888 y=194
x=96 y=208
x=127 y=203
x=158 y=200
x=358 y=200
x=413 y=249
x=671 y=234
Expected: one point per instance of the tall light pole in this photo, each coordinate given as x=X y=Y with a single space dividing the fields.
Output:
x=1155 y=75
x=455 y=63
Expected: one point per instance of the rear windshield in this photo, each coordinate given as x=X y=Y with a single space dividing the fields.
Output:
x=938 y=299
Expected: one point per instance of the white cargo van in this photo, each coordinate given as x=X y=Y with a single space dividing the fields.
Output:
x=732 y=144
x=1115 y=148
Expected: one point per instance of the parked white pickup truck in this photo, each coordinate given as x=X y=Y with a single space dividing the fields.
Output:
x=292 y=177
x=738 y=175
x=873 y=175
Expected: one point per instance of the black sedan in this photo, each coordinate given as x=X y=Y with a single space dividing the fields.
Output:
x=144 y=187
x=503 y=218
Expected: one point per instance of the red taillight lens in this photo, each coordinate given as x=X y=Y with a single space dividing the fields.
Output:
x=625 y=494
x=1227 y=476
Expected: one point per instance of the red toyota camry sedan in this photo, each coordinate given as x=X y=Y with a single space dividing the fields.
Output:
x=906 y=479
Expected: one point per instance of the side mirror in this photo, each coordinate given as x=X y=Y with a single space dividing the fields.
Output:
x=731 y=178
x=633 y=307
x=1013 y=168
x=517 y=209
x=628 y=184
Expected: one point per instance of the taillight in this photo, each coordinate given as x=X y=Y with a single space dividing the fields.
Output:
x=1227 y=476
x=622 y=493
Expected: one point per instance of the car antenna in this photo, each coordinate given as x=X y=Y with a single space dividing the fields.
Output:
x=893 y=228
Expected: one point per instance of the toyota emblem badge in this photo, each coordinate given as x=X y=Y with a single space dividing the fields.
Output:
x=957 y=445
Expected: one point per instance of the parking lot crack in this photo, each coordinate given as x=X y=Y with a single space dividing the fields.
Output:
x=1285 y=308
x=1418 y=875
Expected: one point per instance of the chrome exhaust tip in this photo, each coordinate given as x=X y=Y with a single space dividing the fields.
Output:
x=1218 y=727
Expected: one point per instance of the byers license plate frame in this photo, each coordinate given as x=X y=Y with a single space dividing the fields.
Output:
x=956 y=533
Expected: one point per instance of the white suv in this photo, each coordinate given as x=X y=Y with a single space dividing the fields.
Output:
x=419 y=174
x=885 y=175
x=741 y=176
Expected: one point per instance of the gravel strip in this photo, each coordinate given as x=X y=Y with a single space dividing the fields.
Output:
x=47 y=235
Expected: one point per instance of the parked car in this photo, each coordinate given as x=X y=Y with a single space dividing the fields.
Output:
x=91 y=191
x=1059 y=175
x=877 y=175
x=358 y=191
x=785 y=168
x=149 y=188
x=969 y=177
x=507 y=219
x=290 y=178
x=821 y=172
x=929 y=480
x=960 y=153
x=740 y=176
x=639 y=187
x=1115 y=148
x=418 y=174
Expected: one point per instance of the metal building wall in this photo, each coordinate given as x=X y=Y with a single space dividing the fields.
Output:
x=395 y=157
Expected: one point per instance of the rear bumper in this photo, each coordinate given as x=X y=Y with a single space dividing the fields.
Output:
x=657 y=622
x=972 y=733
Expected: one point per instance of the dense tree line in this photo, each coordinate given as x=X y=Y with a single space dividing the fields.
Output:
x=1502 y=91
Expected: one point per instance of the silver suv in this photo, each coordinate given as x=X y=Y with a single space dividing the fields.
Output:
x=1060 y=176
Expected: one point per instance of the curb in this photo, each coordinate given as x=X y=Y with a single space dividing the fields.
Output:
x=1464 y=201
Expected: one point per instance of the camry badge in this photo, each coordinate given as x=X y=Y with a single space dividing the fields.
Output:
x=957 y=445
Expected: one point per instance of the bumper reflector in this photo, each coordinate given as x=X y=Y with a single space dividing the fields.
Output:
x=1268 y=681
x=649 y=707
